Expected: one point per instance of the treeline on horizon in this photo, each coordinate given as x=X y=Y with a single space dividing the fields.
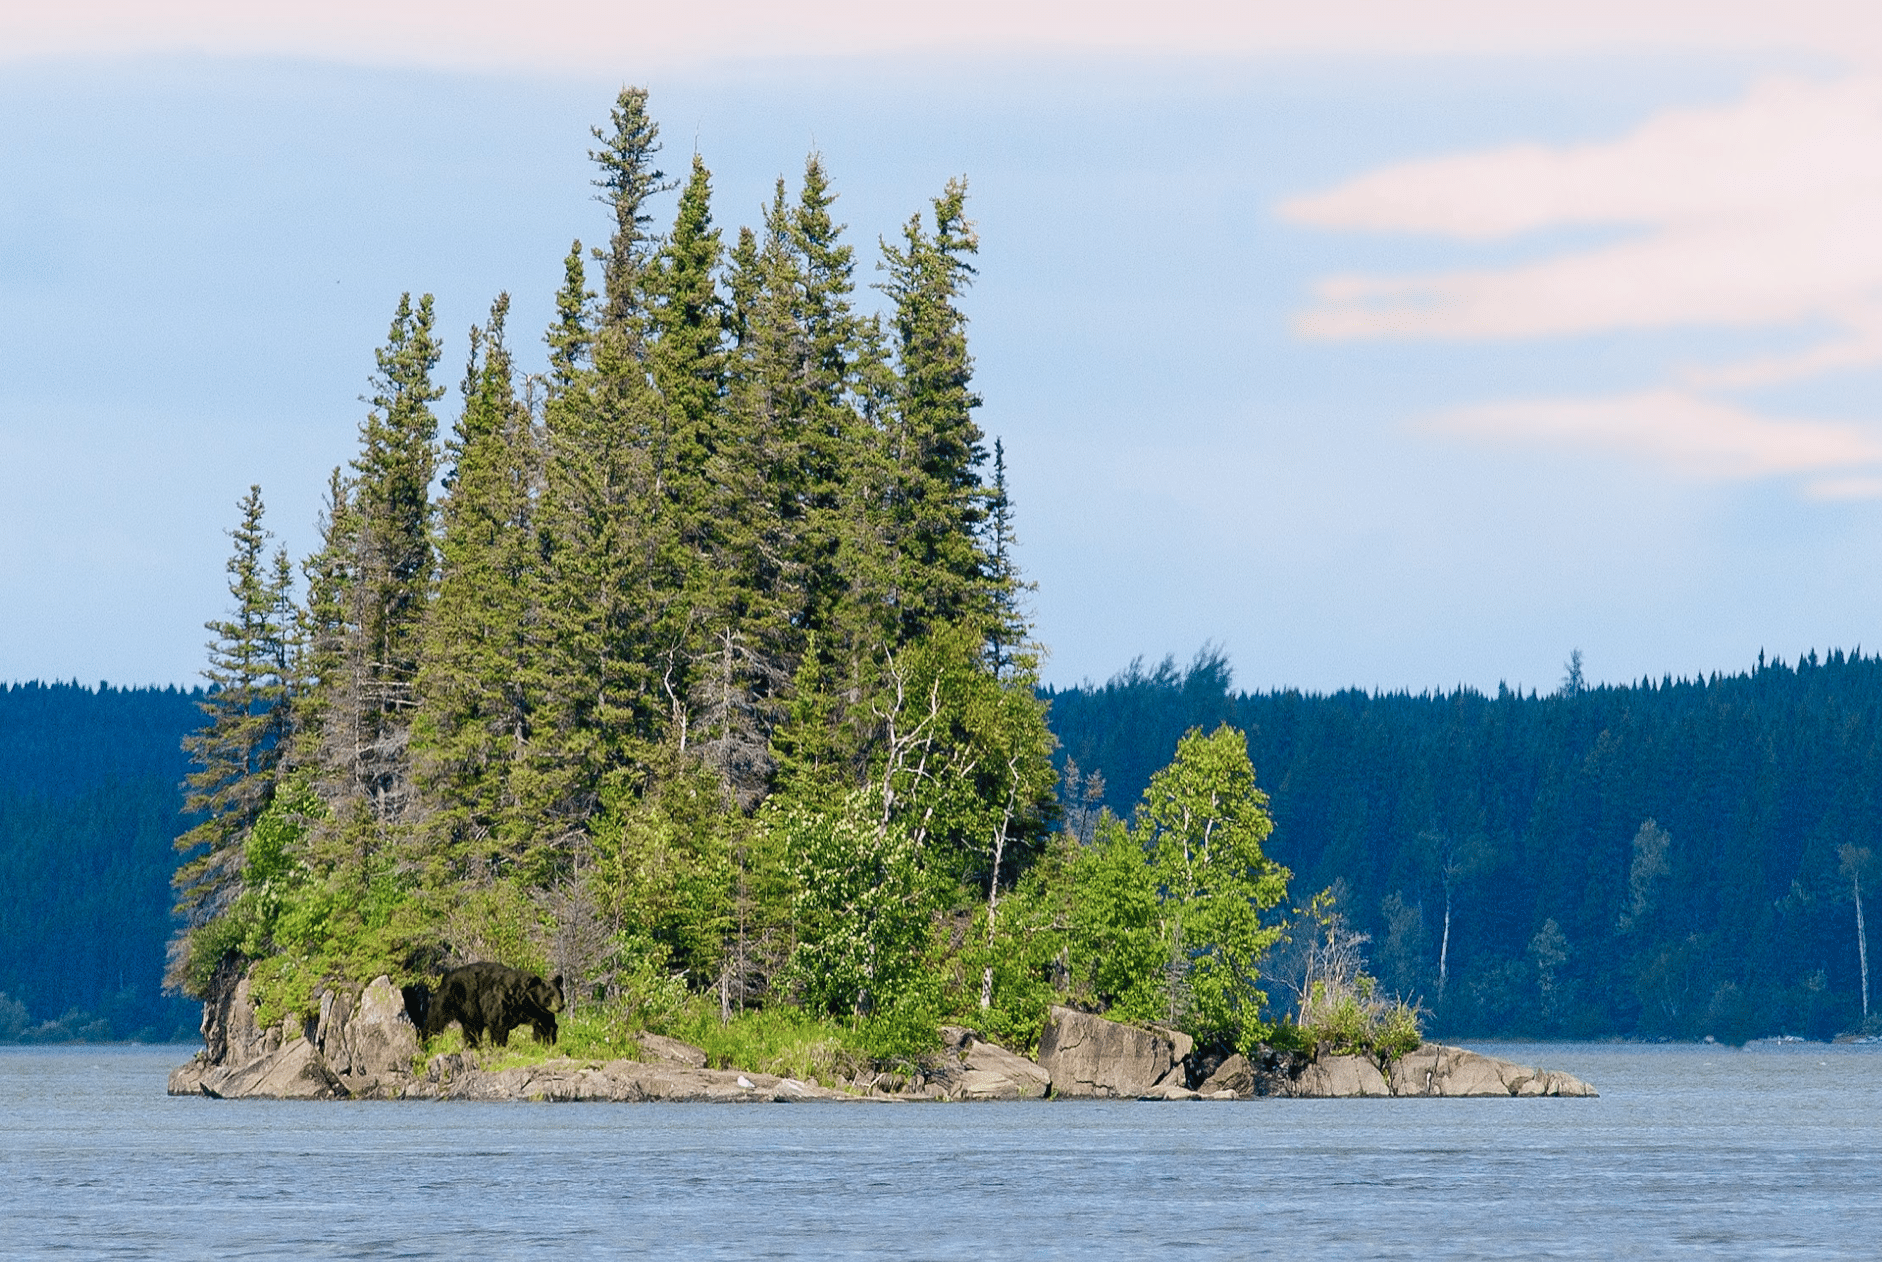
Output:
x=1679 y=858
x=1756 y=781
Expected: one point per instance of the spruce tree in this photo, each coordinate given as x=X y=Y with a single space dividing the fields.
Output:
x=369 y=587
x=1009 y=629
x=686 y=362
x=476 y=707
x=937 y=502
x=601 y=538
x=238 y=750
x=627 y=180
x=725 y=636
x=393 y=472
x=322 y=629
x=570 y=337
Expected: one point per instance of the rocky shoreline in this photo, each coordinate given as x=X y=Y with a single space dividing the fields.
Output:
x=366 y=1047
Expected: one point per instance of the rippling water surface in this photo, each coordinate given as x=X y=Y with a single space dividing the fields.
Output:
x=1772 y=1151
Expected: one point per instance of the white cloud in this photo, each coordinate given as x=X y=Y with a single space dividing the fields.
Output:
x=1696 y=437
x=1762 y=214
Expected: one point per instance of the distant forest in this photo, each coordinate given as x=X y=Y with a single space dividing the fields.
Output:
x=1668 y=859
x=89 y=805
x=1733 y=916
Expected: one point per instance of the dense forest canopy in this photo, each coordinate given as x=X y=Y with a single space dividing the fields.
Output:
x=1673 y=858
x=88 y=808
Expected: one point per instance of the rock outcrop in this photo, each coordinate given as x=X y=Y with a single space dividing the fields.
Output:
x=1437 y=1070
x=457 y=1078
x=1092 y=1056
x=367 y=1047
x=1234 y=1075
x=1432 y=1070
x=379 y=1038
x=993 y=1073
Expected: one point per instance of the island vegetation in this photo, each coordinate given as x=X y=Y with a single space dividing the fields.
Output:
x=705 y=682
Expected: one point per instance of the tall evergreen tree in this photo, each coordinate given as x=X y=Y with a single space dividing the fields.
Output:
x=723 y=665
x=370 y=587
x=601 y=536
x=628 y=178
x=238 y=750
x=933 y=442
x=476 y=704
x=1009 y=628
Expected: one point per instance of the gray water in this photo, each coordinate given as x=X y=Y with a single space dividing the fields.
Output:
x=1771 y=1151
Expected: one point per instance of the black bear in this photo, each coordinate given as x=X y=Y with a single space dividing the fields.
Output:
x=491 y=1000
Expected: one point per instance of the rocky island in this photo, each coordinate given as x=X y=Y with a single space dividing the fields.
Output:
x=366 y=1047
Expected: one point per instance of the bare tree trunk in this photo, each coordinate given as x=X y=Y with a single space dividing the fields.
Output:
x=1444 y=946
x=993 y=879
x=1862 y=945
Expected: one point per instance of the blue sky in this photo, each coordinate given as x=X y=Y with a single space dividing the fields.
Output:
x=199 y=251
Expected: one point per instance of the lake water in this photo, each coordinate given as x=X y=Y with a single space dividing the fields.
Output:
x=1770 y=1151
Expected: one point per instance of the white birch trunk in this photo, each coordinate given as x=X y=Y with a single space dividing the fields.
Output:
x=1444 y=946
x=1862 y=946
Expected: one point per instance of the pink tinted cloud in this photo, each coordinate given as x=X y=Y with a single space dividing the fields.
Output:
x=1763 y=212
x=623 y=35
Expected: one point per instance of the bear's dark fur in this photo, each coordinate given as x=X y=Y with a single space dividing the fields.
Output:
x=490 y=1000
x=417 y=1003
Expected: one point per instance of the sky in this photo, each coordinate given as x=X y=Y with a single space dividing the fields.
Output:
x=1387 y=346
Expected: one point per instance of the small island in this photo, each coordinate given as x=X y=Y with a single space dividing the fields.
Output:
x=694 y=670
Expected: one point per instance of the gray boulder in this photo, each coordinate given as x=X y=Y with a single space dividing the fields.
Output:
x=330 y=1030
x=1341 y=1077
x=956 y=1039
x=378 y=1037
x=1437 y=1070
x=230 y=1029
x=1234 y=1075
x=993 y=1073
x=1087 y=1055
x=293 y=1072
x=187 y=1079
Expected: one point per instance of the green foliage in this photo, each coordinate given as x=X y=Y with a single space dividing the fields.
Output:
x=1166 y=916
x=665 y=865
x=782 y=1040
x=862 y=905
x=1355 y=1021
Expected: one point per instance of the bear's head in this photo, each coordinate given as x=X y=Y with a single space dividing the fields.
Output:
x=548 y=994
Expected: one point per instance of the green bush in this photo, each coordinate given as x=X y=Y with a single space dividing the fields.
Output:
x=1354 y=1020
